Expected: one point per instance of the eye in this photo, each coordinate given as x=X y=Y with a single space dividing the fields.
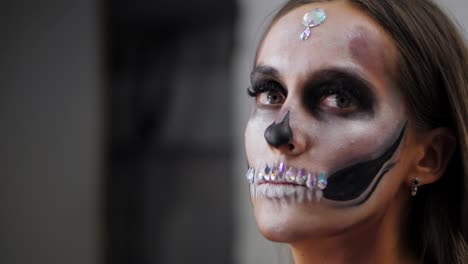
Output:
x=268 y=93
x=339 y=93
x=270 y=98
x=340 y=101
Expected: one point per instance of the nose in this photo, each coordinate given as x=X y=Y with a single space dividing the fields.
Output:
x=280 y=136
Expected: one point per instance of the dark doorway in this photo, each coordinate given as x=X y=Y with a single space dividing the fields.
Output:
x=170 y=151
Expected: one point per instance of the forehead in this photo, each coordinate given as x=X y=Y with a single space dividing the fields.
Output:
x=348 y=38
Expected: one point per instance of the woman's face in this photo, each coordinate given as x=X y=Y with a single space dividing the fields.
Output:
x=336 y=93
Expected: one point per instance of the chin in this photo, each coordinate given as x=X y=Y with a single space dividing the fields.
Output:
x=288 y=222
x=279 y=230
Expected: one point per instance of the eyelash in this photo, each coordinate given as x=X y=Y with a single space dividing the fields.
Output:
x=316 y=95
x=265 y=86
x=339 y=90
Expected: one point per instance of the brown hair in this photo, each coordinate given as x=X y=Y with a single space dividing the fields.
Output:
x=433 y=75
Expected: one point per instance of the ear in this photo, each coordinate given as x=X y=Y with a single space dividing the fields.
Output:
x=437 y=147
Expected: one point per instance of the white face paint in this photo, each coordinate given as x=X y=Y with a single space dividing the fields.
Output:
x=344 y=109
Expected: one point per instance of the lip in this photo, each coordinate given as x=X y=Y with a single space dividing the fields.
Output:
x=286 y=175
x=281 y=183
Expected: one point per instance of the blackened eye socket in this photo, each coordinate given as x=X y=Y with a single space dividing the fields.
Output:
x=340 y=100
x=339 y=92
x=337 y=98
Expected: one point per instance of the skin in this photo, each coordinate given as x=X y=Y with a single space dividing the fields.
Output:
x=328 y=138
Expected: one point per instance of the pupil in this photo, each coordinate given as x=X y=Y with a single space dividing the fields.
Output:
x=272 y=98
x=343 y=102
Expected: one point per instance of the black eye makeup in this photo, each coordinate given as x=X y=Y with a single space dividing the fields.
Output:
x=339 y=93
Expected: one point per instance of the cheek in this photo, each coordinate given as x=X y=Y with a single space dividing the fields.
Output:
x=254 y=141
x=344 y=143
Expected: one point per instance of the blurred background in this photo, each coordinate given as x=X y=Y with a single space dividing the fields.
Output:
x=121 y=136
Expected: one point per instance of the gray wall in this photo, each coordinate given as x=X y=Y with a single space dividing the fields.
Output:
x=49 y=132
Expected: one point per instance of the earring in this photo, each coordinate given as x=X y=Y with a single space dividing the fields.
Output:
x=414 y=186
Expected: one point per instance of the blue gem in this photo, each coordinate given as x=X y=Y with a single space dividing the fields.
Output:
x=322 y=181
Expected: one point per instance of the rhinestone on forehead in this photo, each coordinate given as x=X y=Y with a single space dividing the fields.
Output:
x=312 y=19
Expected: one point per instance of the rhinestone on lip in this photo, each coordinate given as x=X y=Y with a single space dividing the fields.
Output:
x=292 y=175
x=273 y=172
x=301 y=177
x=266 y=173
x=322 y=181
x=281 y=170
x=260 y=175
x=250 y=175
x=311 y=180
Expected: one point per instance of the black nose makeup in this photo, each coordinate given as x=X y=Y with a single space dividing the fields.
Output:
x=280 y=134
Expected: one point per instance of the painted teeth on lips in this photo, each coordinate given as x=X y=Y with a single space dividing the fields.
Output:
x=281 y=173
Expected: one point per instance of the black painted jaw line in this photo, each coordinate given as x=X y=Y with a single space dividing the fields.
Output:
x=351 y=182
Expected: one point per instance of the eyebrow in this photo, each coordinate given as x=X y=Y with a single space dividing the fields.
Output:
x=264 y=70
x=338 y=73
x=320 y=74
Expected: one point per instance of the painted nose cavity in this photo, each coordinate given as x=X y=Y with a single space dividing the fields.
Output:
x=280 y=134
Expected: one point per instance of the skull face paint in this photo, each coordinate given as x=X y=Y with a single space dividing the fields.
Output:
x=346 y=115
x=279 y=134
x=351 y=182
